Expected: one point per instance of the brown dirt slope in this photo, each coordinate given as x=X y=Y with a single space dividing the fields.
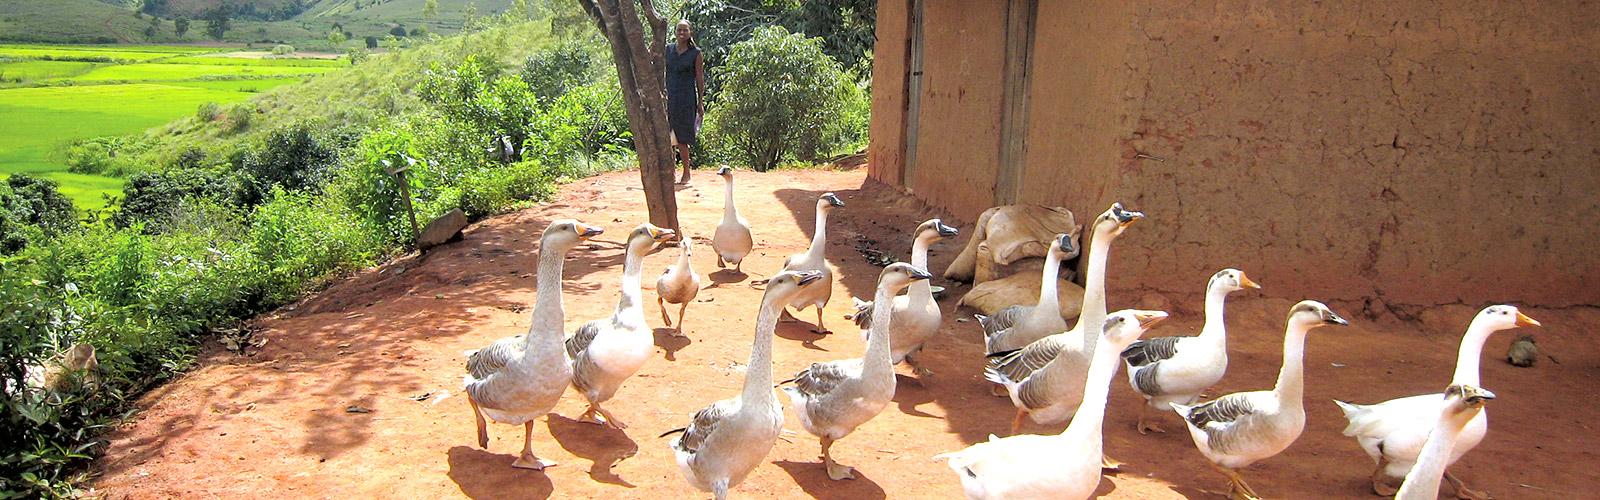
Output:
x=276 y=423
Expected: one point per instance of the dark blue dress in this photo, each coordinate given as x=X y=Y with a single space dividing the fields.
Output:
x=682 y=103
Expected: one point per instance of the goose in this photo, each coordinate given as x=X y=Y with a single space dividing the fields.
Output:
x=1066 y=465
x=1462 y=403
x=1177 y=369
x=1018 y=325
x=517 y=379
x=916 y=315
x=1044 y=378
x=728 y=439
x=605 y=352
x=835 y=397
x=732 y=241
x=1236 y=430
x=1393 y=432
x=818 y=293
x=678 y=285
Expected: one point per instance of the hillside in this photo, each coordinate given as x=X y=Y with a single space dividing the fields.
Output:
x=297 y=22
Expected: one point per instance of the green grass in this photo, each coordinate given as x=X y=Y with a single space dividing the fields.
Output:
x=39 y=70
x=24 y=52
x=226 y=60
x=41 y=119
x=162 y=49
x=173 y=72
x=258 y=85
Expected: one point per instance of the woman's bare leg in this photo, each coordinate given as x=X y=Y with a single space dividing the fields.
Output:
x=683 y=156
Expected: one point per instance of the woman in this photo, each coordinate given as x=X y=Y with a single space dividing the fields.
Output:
x=686 y=86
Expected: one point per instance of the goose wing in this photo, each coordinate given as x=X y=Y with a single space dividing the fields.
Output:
x=822 y=378
x=1002 y=319
x=863 y=315
x=1019 y=364
x=703 y=424
x=581 y=338
x=490 y=360
x=1148 y=355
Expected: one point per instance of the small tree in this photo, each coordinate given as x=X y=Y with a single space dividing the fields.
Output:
x=336 y=38
x=154 y=28
x=372 y=42
x=398 y=30
x=180 y=26
x=217 y=23
x=430 y=9
x=781 y=97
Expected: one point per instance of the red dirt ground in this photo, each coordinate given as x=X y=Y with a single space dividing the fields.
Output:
x=275 y=423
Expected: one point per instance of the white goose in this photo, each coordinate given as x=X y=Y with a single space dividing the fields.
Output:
x=1236 y=430
x=1462 y=403
x=1067 y=465
x=1045 y=379
x=678 y=284
x=728 y=439
x=916 y=315
x=1393 y=432
x=605 y=352
x=732 y=240
x=1177 y=369
x=1014 y=327
x=814 y=259
x=518 y=379
x=834 y=398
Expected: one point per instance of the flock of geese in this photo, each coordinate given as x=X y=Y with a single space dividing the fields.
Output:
x=1051 y=372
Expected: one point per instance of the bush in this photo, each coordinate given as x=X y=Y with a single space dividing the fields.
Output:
x=782 y=98
x=366 y=188
x=208 y=112
x=552 y=72
x=584 y=121
x=494 y=190
x=32 y=210
x=153 y=197
x=238 y=119
x=109 y=156
x=357 y=55
x=291 y=157
x=300 y=240
x=498 y=108
x=282 y=50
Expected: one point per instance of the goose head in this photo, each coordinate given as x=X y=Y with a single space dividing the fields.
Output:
x=899 y=275
x=562 y=235
x=933 y=230
x=686 y=245
x=1063 y=247
x=1115 y=219
x=827 y=202
x=784 y=285
x=1502 y=317
x=1124 y=327
x=1465 y=398
x=648 y=234
x=1230 y=280
x=726 y=173
x=1310 y=314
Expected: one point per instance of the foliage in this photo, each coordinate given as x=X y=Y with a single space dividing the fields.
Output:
x=782 y=98
x=292 y=157
x=218 y=23
x=300 y=239
x=552 y=72
x=282 y=50
x=584 y=121
x=207 y=112
x=491 y=190
x=32 y=209
x=180 y=26
x=153 y=197
x=479 y=95
x=845 y=27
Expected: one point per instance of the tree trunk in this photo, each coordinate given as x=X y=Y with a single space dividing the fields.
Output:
x=641 y=70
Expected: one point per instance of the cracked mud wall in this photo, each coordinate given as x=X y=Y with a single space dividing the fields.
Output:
x=1412 y=153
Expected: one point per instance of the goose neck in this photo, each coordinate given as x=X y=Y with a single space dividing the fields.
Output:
x=729 y=212
x=1087 y=423
x=548 y=315
x=1470 y=354
x=1422 y=482
x=1291 y=376
x=1215 y=326
x=758 y=374
x=921 y=292
x=877 y=358
x=819 y=240
x=632 y=267
x=1092 y=314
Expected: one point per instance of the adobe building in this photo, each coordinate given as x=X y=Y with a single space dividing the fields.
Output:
x=1404 y=153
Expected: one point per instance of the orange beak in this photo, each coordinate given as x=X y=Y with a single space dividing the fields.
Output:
x=1245 y=280
x=1524 y=320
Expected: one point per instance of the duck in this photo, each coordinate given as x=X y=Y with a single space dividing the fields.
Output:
x=605 y=352
x=1462 y=403
x=1044 y=378
x=1238 y=429
x=1016 y=326
x=726 y=440
x=678 y=284
x=814 y=259
x=1393 y=432
x=1177 y=369
x=1065 y=465
x=518 y=379
x=835 y=397
x=916 y=315
x=732 y=240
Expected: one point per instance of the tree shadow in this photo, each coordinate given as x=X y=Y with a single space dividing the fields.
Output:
x=801 y=331
x=481 y=474
x=603 y=446
x=814 y=480
x=669 y=342
x=909 y=393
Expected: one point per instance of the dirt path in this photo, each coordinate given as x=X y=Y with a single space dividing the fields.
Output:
x=275 y=423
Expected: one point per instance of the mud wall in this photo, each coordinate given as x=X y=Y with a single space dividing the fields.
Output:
x=1409 y=152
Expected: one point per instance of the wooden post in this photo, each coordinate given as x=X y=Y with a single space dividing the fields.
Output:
x=399 y=174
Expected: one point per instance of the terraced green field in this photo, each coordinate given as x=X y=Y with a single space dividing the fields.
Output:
x=56 y=99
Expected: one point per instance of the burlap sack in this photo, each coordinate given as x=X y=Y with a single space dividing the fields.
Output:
x=1010 y=233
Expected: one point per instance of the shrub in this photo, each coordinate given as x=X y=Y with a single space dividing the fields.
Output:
x=779 y=100
x=497 y=107
x=282 y=50
x=153 y=197
x=550 y=73
x=208 y=112
x=39 y=202
x=300 y=240
x=291 y=157
x=493 y=190
x=583 y=122
x=366 y=188
x=357 y=55
x=238 y=119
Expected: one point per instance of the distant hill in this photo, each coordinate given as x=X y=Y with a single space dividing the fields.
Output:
x=303 y=23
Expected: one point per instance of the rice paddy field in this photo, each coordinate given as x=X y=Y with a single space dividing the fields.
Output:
x=51 y=96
